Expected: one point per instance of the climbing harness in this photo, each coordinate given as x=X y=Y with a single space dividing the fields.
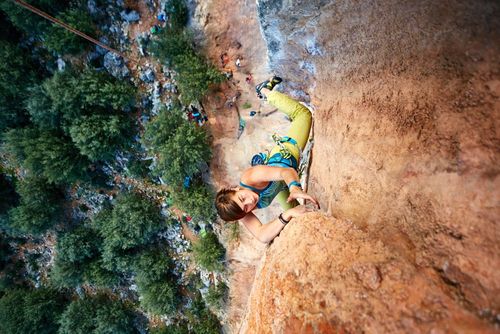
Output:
x=285 y=152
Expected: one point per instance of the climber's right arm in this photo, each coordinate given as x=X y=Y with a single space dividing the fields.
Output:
x=263 y=233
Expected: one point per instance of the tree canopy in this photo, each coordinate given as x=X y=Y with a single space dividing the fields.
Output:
x=99 y=314
x=40 y=206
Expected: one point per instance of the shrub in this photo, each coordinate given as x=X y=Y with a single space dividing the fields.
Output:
x=99 y=137
x=197 y=200
x=209 y=253
x=31 y=311
x=217 y=295
x=39 y=208
x=61 y=40
x=99 y=314
x=180 y=328
x=201 y=319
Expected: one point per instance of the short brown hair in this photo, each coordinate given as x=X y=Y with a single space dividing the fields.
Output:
x=227 y=208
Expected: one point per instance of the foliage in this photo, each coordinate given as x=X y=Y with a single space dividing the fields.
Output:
x=134 y=220
x=175 y=47
x=197 y=200
x=155 y=283
x=180 y=328
x=182 y=155
x=98 y=136
x=99 y=314
x=30 y=311
x=129 y=225
x=39 y=107
x=195 y=76
x=138 y=168
x=162 y=128
x=97 y=274
x=73 y=94
x=75 y=251
x=209 y=253
x=30 y=22
x=177 y=13
x=47 y=154
x=61 y=40
x=39 y=207
x=201 y=319
x=8 y=195
x=246 y=105
x=16 y=74
x=170 y=45
x=217 y=295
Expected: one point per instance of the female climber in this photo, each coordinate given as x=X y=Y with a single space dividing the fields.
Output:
x=273 y=174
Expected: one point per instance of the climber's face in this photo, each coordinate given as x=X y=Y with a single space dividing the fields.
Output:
x=246 y=199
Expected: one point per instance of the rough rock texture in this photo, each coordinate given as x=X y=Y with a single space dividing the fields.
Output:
x=340 y=279
x=406 y=147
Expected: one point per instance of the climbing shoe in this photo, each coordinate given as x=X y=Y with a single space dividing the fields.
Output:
x=269 y=84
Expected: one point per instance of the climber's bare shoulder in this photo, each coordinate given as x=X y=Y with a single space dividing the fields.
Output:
x=252 y=223
x=262 y=174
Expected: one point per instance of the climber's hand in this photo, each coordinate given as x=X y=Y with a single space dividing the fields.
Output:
x=296 y=193
x=297 y=211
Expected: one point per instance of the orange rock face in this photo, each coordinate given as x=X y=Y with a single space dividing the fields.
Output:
x=323 y=275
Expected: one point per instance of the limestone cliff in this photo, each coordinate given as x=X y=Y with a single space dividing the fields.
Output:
x=406 y=148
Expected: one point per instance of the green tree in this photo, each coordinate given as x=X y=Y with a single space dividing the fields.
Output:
x=75 y=251
x=161 y=128
x=40 y=206
x=129 y=225
x=61 y=40
x=73 y=94
x=46 y=153
x=97 y=315
x=97 y=274
x=16 y=75
x=195 y=76
x=182 y=155
x=39 y=107
x=28 y=21
x=31 y=311
x=98 y=136
x=197 y=200
x=155 y=282
x=209 y=253
x=171 y=44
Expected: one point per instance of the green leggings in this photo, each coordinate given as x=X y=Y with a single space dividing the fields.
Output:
x=299 y=130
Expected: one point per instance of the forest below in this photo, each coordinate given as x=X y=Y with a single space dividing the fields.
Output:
x=105 y=214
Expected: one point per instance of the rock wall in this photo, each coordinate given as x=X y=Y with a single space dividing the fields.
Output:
x=340 y=279
x=406 y=148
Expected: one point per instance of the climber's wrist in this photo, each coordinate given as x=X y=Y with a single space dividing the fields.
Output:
x=286 y=216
